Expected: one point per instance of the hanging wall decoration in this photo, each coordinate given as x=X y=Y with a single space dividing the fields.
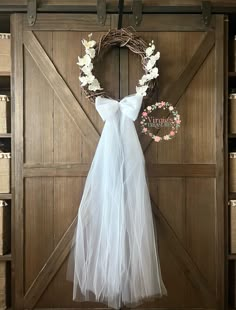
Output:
x=115 y=257
x=121 y=38
x=169 y=125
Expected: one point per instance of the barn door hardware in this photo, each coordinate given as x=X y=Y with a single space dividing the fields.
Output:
x=101 y=11
x=137 y=11
x=120 y=10
x=206 y=12
x=32 y=12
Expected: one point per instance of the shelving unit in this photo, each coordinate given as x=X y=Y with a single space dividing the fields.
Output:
x=230 y=145
x=5 y=139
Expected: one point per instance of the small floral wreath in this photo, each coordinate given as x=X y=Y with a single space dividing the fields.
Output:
x=174 y=122
x=120 y=37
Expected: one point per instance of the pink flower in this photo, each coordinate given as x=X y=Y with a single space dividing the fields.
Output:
x=178 y=121
x=144 y=129
x=149 y=108
x=172 y=133
x=161 y=104
x=144 y=114
x=157 y=138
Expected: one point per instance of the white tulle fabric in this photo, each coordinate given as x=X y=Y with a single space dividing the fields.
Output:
x=115 y=256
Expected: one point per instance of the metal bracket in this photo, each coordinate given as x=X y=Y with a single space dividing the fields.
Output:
x=206 y=12
x=32 y=12
x=137 y=11
x=101 y=11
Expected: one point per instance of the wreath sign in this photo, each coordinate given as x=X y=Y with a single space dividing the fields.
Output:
x=174 y=122
x=147 y=83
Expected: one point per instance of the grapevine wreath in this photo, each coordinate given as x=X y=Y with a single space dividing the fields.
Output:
x=121 y=38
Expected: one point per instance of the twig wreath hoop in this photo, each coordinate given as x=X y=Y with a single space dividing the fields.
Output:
x=121 y=38
x=147 y=122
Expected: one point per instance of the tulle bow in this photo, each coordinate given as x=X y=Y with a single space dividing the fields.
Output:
x=129 y=106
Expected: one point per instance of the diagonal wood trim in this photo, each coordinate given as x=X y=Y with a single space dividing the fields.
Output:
x=68 y=100
x=182 y=257
x=154 y=170
x=176 y=89
x=50 y=268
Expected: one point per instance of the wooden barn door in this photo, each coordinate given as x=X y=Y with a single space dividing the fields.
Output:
x=56 y=131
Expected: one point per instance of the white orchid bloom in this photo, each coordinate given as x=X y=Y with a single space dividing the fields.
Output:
x=87 y=79
x=84 y=61
x=154 y=73
x=91 y=52
x=141 y=90
x=87 y=69
x=143 y=80
x=94 y=85
x=149 y=51
x=88 y=44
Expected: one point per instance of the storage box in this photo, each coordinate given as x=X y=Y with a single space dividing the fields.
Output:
x=232 y=113
x=4 y=114
x=5 y=54
x=3 y=285
x=5 y=164
x=232 y=220
x=5 y=228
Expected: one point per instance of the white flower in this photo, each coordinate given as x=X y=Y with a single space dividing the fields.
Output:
x=171 y=108
x=95 y=85
x=88 y=44
x=154 y=73
x=167 y=137
x=91 y=52
x=152 y=60
x=143 y=80
x=84 y=61
x=149 y=51
x=87 y=69
x=87 y=79
x=141 y=90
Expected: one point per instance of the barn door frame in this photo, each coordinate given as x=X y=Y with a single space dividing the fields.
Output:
x=19 y=25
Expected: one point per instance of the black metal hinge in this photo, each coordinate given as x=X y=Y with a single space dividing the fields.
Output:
x=101 y=11
x=206 y=12
x=137 y=11
x=32 y=12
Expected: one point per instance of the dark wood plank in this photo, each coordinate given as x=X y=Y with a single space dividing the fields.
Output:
x=50 y=268
x=31 y=170
x=176 y=89
x=226 y=128
x=69 y=102
x=154 y=170
x=17 y=220
x=181 y=170
x=72 y=22
x=221 y=203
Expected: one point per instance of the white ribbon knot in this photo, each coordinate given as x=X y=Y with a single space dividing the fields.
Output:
x=129 y=106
